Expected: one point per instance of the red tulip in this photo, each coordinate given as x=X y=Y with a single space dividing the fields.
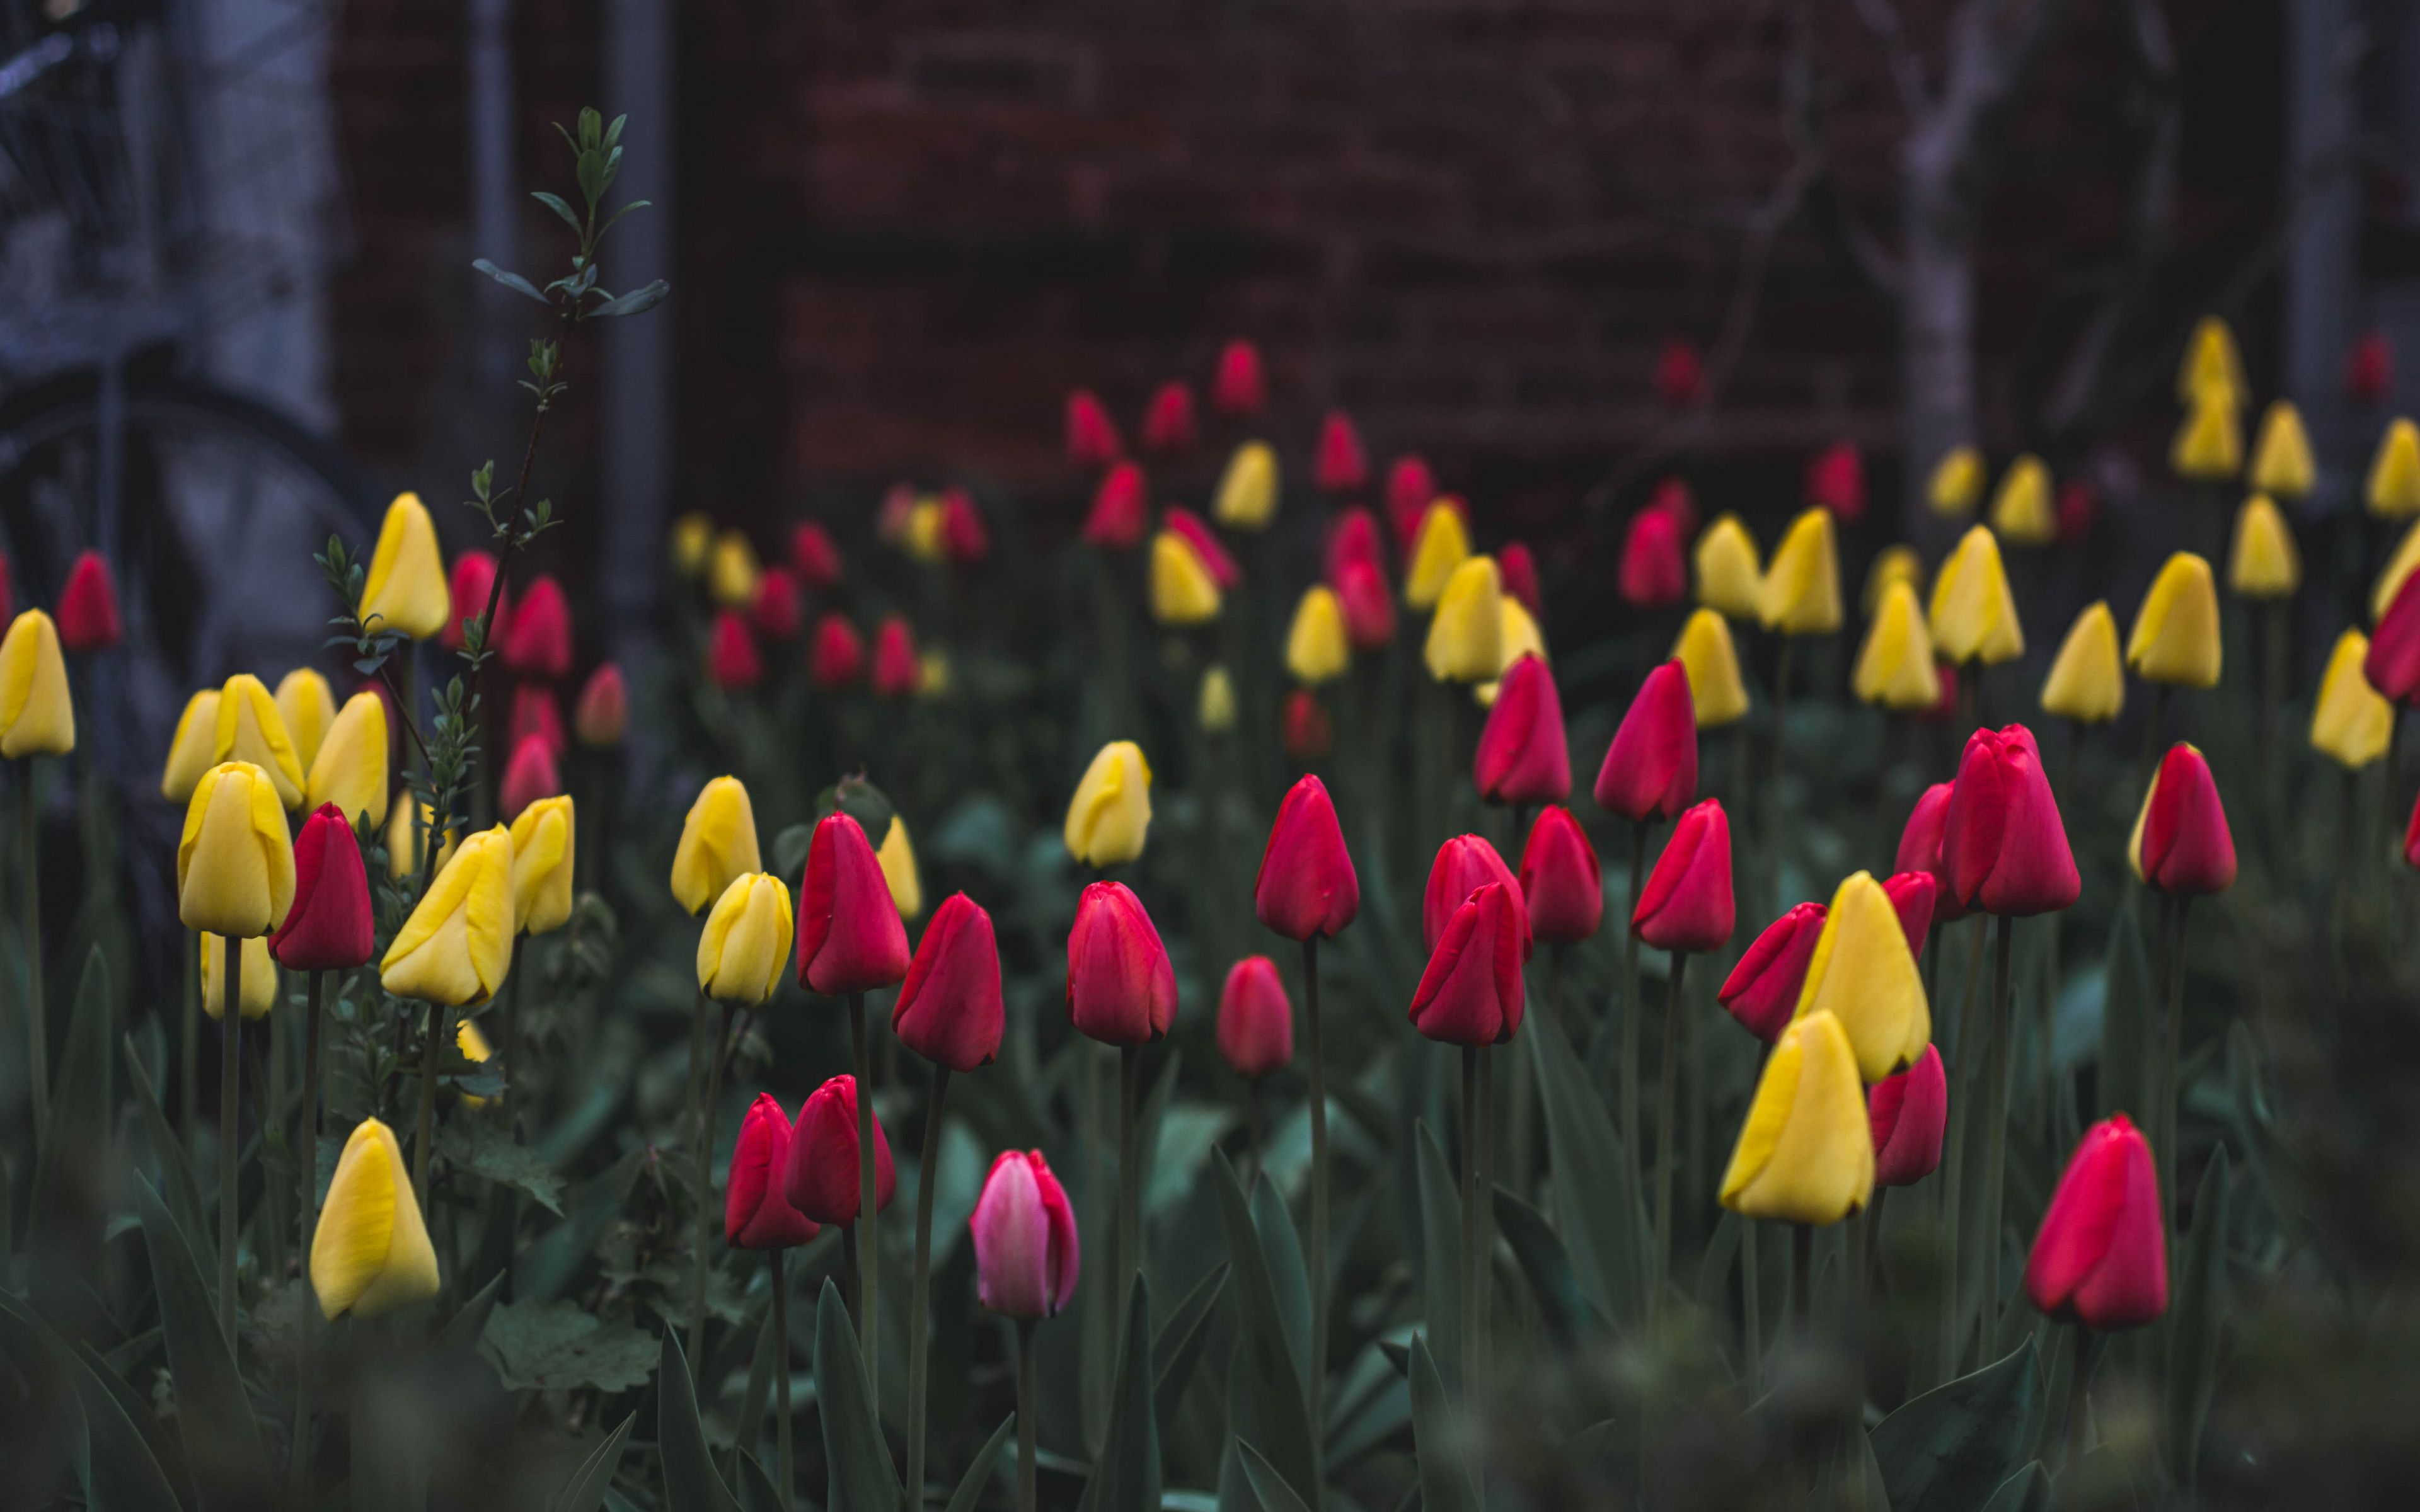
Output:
x=963 y=536
x=468 y=586
x=1168 y=420
x=1470 y=994
x=2182 y=845
x=1654 y=572
x=533 y=713
x=329 y=926
x=897 y=508
x=604 y=712
x=1680 y=373
x=1464 y=865
x=2411 y=838
x=822 y=1180
x=1672 y=496
x=1561 y=881
x=1121 y=989
x=814 y=557
x=1523 y=757
x=1027 y=1254
x=1340 y=465
x=2393 y=665
x=949 y=1009
x=896 y=671
x=529 y=776
x=1304 y=731
x=1761 y=992
x=88 y=606
x=1369 y=605
x=1237 y=387
x=1910 y=1110
x=1919 y=850
x=757 y=1211
x=1411 y=488
x=1836 y=480
x=1944 y=708
x=1120 y=516
x=2102 y=1257
x=780 y=609
x=1519 y=570
x=1651 y=769
x=849 y=936
x=1353 y=538
x=1306 y=886
x=731 y=659
x=1091 y=434
x=837 y=658
x=1206 y=545
x=2078 y=507
x=1686 y=903
x=2001 y=840
x=537 y=639
x=1912 y=895
x=1255 y=1020
x=2369 y=369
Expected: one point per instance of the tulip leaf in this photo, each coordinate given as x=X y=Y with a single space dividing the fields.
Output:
x=1445 y=1483
x=1126 y=1478
x=2027 y=1490
x=2192 y=1337
x=485 y=1149
x=463 y=1330
x=858 y=1462
x=81 y=1101
x=1597 y=1190
x=222 y=1440
x=1440 y=1239
x=747 y=1428
x=972 y=1484
x=1563 y=1305
x=586 y=1490
x=122 y=1474
x=757 y=1492
x=690 y=1484
x=1955 y=1444
x=177 y=1172
x=558 y=1345
x=1272 y=1408
x=1282 y=1247
x=1270 y=1487
x=1182 y=1338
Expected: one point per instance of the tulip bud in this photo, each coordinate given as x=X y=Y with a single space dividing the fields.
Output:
x=1470 y=993
x=964 y=538
x=349 y=772
x=403 y=838
x=2021 y=511
x=1352 y=537
x=603 y=712
x=692 y=537
x=850 y=938
x=235 y=862
x=823 y=1179
x=194 y=747
x=1651 y=769
x=1109 y=816
x=757 y=1211
x=1304 y=731
x=1315 y=648
x=1215 y=558
x=1909 y=1111
x=1439 y=550
x=406 y=588
x=1651 y=574
x=1864 y=975
x=1121 y=989
x=250 y=730
x=2263 y=563
x=1091 y=434
x=896 y=856
x=746 y=941
x=1761 y=992
x=1680 y=373
x=731 y=571
x=1236 y=386
x=718 y=843
x=1835 y=481
x=2102 y=1255
x=1246 y=497
x=1710 y=668
x=949 y=1010
x=1464 y=864
x=535 y=714
x=1800 y=592
x=2002 y=843
x=2208 y=446
x=1919 y=849
x=1255 y=1020
x=1465 y=641
x=545 y=834
x=1520 y=638
x=529 y=776
x=894 y=518
x=2393 y=488
x=1562 y=888
x=88 y=606
x=2281 y=455
x=1340 y=465
x=2399 y=569
x=896 y=670
x=2175 y=639
x=1183 y=592
x=1411 y=488
x=467 y=590
x=2210 y=366
x=2349 y=721
x=2078 y=506
x=2369 y=369
x=1523 y=757
x=779 y=611
x=537 y=639
x=1168 y=419
x=1974 y=613
x=838 y=656
x=2181 y=844
x=370 y=1254
x=1686 y=901
x=1894 y=668
x=1119 y=515
x=1805 y=1155
x=1026 y=1251
x=328 y=925
x=1216 y=705
x=1306 y=886
x=2085 y=683
x=1892 y=565
x=307 y=706
x=1956 y=485
x=457 y=944
x=1369 y=608
x=1518 y=568
x=1912 y=895
x=814 y=557
x=260 y=978
x=1729 y=581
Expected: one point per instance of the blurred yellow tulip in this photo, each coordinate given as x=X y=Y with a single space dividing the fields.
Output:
x=2175 y=639
x=2210 y=366
x=2262 y=562
x=2398 y=566
x=2393 y=488
x=1315 y=647
x=36 y=711
x=259 y=976
x=195 y=749
x=897 y=858
x=1897 y=564
x=746 y=941
x=1182 y=590
x=1801 y=592
x=1730 y=577
x=1441 y=545
x=1956 y=485
x=2350 y=719
x=1973 y=616
x=2208 y=446
x=692 y=538
x=1246 y=499
x=406 y=588
x=1216 y=707
x=1710 y=663
x=1895 y=667
x=717 y=842
x=545 y=837
x=1109 y=816
x=2021 y=512
x=2087 y=680
x=731 y=572
x=370 y=1254
x=2281 y=454
x=1465 y=641
x=308 y=705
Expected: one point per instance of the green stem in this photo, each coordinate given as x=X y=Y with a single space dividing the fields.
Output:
x=2171 y=1102
x=1025 y=1499
x=1129 y=1178
x=510 y=1031
x=1317 y=1385
x=307 y=1161
x=1953 y=1208
x=1630 y=1006
x=230 y=1103
x=1995 y=1137
x=704 y=1249
x=37 y=1048
x=1469 y=1218
x=431 y=1050
x=786 y=1470
x=869 y=1257
x=2079 y=1383
x=1751 y=1306
x=1667 y=1132
x=927 y=1178
x=189 y=1101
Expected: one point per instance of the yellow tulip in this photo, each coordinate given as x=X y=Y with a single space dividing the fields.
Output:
x=1957 y=483
x=403 y=841
x=545 y=837
x=1466 y=634
x=457 y=944
x=2281 y=454
x=746 y=941
x=1863 y=974
x=2175 y=639
x=1711 y=663
x=1805 y=1155
x=250 y=729
x=932 y=674
x=195 y=747
x=1216 y=707
x=1246 y=499
x=370 y=1254
x=2021 y=512
x=2350 y=719
x=2393 y=491
x=730 y=573
x=406 y=589
x=2210 y=366
x=2261 y=562
x=2398 y=566
x=1522 y=638
x=717 y=842
x=692 y=538
x=1441 y=545
x=926 y=521
x=1800 y=592
x=235 y=862
x=476 y=1050
x=897 y=858
x=1182 y=590
x=1110 y=813
x=1315 y=648
x=1974 y=613
x=350 y=769
x=259 y=976
x=1895 y=665
x=36 y=711
x=308 y=705
x=2209 y=446
x=1892 y=565
x=1730 y=577
x=2087 y=682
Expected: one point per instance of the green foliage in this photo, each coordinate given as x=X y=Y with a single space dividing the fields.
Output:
x=1953 y=1445
x=557 y=1346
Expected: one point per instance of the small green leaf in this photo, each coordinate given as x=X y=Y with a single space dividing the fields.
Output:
x=858 y=1461
x=1564 y=1308
x=1180 y=1344
x=1952 y=1446
x=638 y=301
x=81 y=1099
x=979 y=1469
x=2193 y=1335
x=185 y=1195
x=557 y=203
x=1595 y=1183
x=1270 y=1487
x=1274 y=1411
x=2027 y=1490
x=690 y=1484
x=511 y=281
x=122 y=1474
x=1126 y=1478
x=222 y=1442
x=485 y=1149
x=757 y=1492
x=586 y=1490
x=1283 y=1249
x=558 y=1346
x=1445 y=1483
x=1440 y=1239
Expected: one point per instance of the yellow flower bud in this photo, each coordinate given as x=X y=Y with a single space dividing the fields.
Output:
x=2021 y=512
x=923 y=539
x=932 y=674
x=1441 y=545
x=1800 y=592
x=195 y=747
x=1895 y=665
x=545 y=837
x=370 y=1254
x=2393 y=491
x=1315 y=648
x=1466 y=634
x=2398 y=566
x=1892 y=565
x=2087 y=682
x=2210 y=366
x=1974 y=613
x=2261 y=562
x=717 y=842
x=746 y=941
x=1522 y=638
x=457 y=944
x=2208 y=446
x=1863 y=974
x=406 y=589
x=1110 y=813
x=308 y=705
x=2281 y=454
x=897 y=858
x=350 y=769
x=1216 y=707
x=1182 y=590
x=1730 y=577
x=403 y=840
x=1711 y=663
x=235 y=862
x=476 y=1050
x=1248 y=490
x=692 y=538
x=250 y=729
x=2175 y=639
x=2349 y=719
x=1805 y=1155
x=730 y=573
x=259 y=976
x=1957 y=483
x=36 y=711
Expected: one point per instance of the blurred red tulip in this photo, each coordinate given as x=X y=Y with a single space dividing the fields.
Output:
x=1519 y=570
x=537 y=639
x=838 y=656
x=88 y=606
x=1680 y=373
x=1411 y=488
x=1206 y=545
x=1912 y=894
x=468 y=586
x=528 y=777
x=849 y=937
x=2001 y=841
x=1670 y=496
x=1909 y=1110
x=1238 y=387
x=1340 y=465
x=814 y=557
x=1686 y=901
x=603 y=714
x=1470 y=993
x=1651 y=768
x=534 y=713
x=1561 y=884
x=1120 y=514
x=1255 y=1020
x=1353 y=537
x=2392 y=664
x=1168 y=419
x=1654 y=571
x=731 y=659
x=1307 y=885
x=1369 y=605
x=1121 y=989
x=780 y=611
x=1761 y=992
x=2102 y=1257
x=1836 y=480
x=1464 y=864
x=1091 y=434
x=896 y=669
x=963 y=536
x=822 y=1180
x=948 y=1010
x=1304 y=729
x=2369 y=369
x=1523 y=757
x=2078 y=507
x=757 y=1211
